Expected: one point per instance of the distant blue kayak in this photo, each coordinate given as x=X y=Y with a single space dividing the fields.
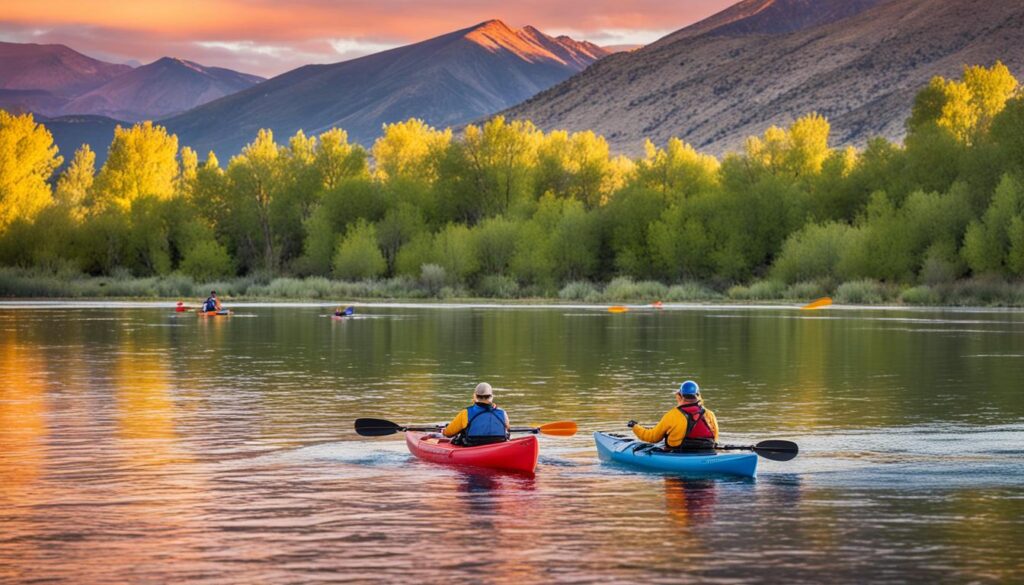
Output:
x=640 y=454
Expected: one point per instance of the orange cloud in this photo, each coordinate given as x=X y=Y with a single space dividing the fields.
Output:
x=269 y=37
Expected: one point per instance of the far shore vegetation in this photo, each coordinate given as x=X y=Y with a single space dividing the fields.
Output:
x=506 y=211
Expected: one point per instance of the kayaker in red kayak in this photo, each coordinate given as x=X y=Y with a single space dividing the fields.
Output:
x=688 y=426
x=482 y=423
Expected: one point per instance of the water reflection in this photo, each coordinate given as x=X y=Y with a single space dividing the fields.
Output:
x=136 y=446
x=690 y=502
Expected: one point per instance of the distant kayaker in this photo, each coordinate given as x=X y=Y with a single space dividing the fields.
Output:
x=480 y=424
x=688 y=426
x=212 y=303
x=346 y=312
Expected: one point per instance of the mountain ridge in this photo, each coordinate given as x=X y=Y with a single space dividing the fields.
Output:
x=446 y=80
x=160 y=89
x=714 y=90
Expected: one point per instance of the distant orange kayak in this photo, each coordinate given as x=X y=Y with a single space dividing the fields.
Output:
x=618 y=309
x=221 y=313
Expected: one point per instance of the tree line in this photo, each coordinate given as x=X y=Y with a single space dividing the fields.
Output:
x=505 y=206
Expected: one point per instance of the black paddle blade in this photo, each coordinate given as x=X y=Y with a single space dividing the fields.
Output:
x=375 y=427
x=777 y=450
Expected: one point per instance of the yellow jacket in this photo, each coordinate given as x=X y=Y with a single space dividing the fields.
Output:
x=461 y=421
x=673 y=426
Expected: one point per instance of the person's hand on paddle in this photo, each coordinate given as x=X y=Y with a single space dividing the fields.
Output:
x=631 y=423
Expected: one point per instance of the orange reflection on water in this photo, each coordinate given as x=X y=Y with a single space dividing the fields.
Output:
x=690 y=502
x=23 y=428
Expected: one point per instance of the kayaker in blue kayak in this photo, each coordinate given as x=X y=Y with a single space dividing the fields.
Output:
x=211 y=304
x=688 y=426
x=482 y=423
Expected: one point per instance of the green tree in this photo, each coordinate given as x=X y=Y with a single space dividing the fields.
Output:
x=629 y=217
x=1008 y=135
x=575 y=243
x=358 y=256
x=813 y=252
x=255 y=177
x=398 y=227
x=455 y=251
x=353 y=199
x=496 y=244
x=991 y=244
x=207 y=261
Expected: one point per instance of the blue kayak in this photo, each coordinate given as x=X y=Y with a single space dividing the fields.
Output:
x=640 y=454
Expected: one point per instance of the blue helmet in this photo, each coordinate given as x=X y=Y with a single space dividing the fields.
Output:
x=689 y=388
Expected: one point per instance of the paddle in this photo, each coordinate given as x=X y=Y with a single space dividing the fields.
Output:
x=555 y=429
x=818 y=304
x=375 y=427
x=775 y=450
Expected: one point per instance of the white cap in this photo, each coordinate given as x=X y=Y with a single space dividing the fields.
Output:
x=483 y=389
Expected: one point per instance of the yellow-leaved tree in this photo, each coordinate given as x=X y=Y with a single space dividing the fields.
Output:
x=142 y=161
x=75 y=182
x=964 y=108
x=27 y=159
x=798 y=151
x=409 y=150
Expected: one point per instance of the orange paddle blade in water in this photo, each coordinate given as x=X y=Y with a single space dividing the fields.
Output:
x=559 y=429
x=618 y=309
x=818 y=304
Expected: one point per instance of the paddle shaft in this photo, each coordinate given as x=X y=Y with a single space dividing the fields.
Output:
x=374 y=427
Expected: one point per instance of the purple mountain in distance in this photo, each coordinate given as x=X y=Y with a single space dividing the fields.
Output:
x=446 y=81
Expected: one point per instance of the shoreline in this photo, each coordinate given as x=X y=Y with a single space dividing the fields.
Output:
x=21 y=285
x=476 y=303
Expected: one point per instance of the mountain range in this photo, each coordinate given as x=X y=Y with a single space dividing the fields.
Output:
x=446 y=81
x=714 y=83
x=162 y=88
x=739 y=72
x=54 y=80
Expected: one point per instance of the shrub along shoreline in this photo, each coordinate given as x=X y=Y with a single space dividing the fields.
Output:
x=28 y=284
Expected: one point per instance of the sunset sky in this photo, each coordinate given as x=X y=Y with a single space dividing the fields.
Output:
x=268 y=37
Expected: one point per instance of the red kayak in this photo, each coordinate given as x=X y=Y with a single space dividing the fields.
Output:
x=515 y=455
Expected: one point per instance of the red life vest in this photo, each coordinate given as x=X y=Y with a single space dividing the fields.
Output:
x=697 y=426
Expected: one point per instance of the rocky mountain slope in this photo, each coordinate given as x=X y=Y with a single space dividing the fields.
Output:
x=714 y=89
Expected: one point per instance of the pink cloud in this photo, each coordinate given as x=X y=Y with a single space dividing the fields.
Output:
x=269 y=37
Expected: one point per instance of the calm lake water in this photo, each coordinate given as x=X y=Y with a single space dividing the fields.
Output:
x=141 y=446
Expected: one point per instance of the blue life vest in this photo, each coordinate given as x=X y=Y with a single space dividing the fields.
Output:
x=485 y=421
x=210 y=305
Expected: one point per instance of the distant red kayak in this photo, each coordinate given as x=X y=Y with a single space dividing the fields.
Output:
x=515 y=455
